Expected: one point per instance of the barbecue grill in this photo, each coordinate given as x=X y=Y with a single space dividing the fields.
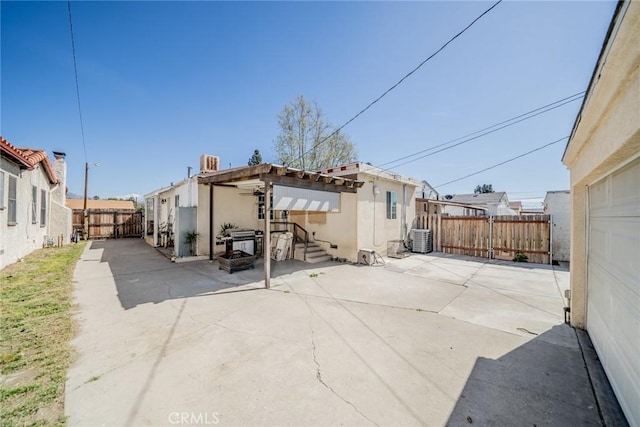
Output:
x=242 y=240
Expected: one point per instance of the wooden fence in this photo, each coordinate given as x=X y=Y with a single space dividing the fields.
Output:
x=497 y=237
x=109 y=224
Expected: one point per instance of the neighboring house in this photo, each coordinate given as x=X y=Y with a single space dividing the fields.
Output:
x=516 y=207
x=558 y=205
x=532 y=211
x=379 y=206
x=32 y=201
x=603 y=157
x=496 y=204
x=77 y=205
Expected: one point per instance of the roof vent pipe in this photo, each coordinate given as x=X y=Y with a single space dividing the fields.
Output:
x=188 y=171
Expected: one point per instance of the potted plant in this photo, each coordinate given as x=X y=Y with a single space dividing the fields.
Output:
x=191 y=239
x=225 y=229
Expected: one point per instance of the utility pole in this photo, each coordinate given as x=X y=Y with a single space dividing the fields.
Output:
x=85 y=225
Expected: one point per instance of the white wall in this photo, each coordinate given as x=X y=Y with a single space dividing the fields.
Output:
x=558 y=205
x=24 y=236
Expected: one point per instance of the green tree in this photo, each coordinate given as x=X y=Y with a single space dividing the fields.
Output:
x=256 y=158
x=307 y=141
x=484 y=188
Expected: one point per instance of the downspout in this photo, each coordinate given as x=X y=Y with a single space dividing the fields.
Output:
x=550 y=239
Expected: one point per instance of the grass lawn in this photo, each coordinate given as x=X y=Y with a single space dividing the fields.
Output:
x=35 y=329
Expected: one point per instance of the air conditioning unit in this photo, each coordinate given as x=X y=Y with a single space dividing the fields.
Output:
x=209 y=163
x=366 y=256
x=422 y=241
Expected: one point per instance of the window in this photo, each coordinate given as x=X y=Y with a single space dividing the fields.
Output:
x=392 y=205
x=1 y=190
x=261 y=207
x=34 y=204
x=43 y=207
x=12 y=205
x=177 y=200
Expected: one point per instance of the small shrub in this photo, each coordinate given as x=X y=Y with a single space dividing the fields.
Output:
x=520 y=257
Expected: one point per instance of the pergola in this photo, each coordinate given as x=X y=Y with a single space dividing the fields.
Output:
x=264 y=176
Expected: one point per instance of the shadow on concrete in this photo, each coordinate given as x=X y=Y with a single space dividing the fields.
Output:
x=543 y=382
x=143 y=275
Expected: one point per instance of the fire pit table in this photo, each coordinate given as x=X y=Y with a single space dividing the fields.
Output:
x=235 y=261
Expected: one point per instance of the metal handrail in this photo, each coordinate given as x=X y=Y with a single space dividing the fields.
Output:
x=295 y=235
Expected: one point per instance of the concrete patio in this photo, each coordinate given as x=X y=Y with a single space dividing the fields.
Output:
x=425 y=340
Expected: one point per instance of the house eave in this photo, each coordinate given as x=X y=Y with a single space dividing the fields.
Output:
x=571 y=150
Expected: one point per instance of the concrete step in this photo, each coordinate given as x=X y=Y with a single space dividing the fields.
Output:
x=315 y=253
x=322 y=258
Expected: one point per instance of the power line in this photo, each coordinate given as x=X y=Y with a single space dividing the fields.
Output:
x=335 y=132
x=75 y=72
x=494 y=128
x=502 y=163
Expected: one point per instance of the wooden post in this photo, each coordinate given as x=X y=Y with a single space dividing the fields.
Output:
x=267 y=233
x=211 y=243
x=439 y=228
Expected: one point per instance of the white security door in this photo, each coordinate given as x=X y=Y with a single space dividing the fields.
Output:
x=613 y=295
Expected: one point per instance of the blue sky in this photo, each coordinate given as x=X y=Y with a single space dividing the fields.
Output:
x=163 y=82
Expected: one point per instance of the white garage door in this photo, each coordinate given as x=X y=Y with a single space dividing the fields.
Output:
x=613 y=295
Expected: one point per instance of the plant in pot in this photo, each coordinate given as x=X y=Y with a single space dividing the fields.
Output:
x=225 y=229
x=191 y=239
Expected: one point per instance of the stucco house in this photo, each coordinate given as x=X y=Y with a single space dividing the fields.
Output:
x=355 y=206
x=32 y=201
x=383 y=211
x=603 y=157
x=496 y=203
x=516 y=206
x=558 y=205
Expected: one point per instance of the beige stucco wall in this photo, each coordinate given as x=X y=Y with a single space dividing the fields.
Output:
x=374 y=229
x=25 y=236
x=606 y=137
x=339 y=228
x=230 y=205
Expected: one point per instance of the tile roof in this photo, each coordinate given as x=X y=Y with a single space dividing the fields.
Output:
x=479 y=199
x=29 y=158
x=10 y=150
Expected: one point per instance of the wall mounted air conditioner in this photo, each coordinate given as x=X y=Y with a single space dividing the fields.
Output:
x=422 y=241
x=209 y=163
x=366 y=256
